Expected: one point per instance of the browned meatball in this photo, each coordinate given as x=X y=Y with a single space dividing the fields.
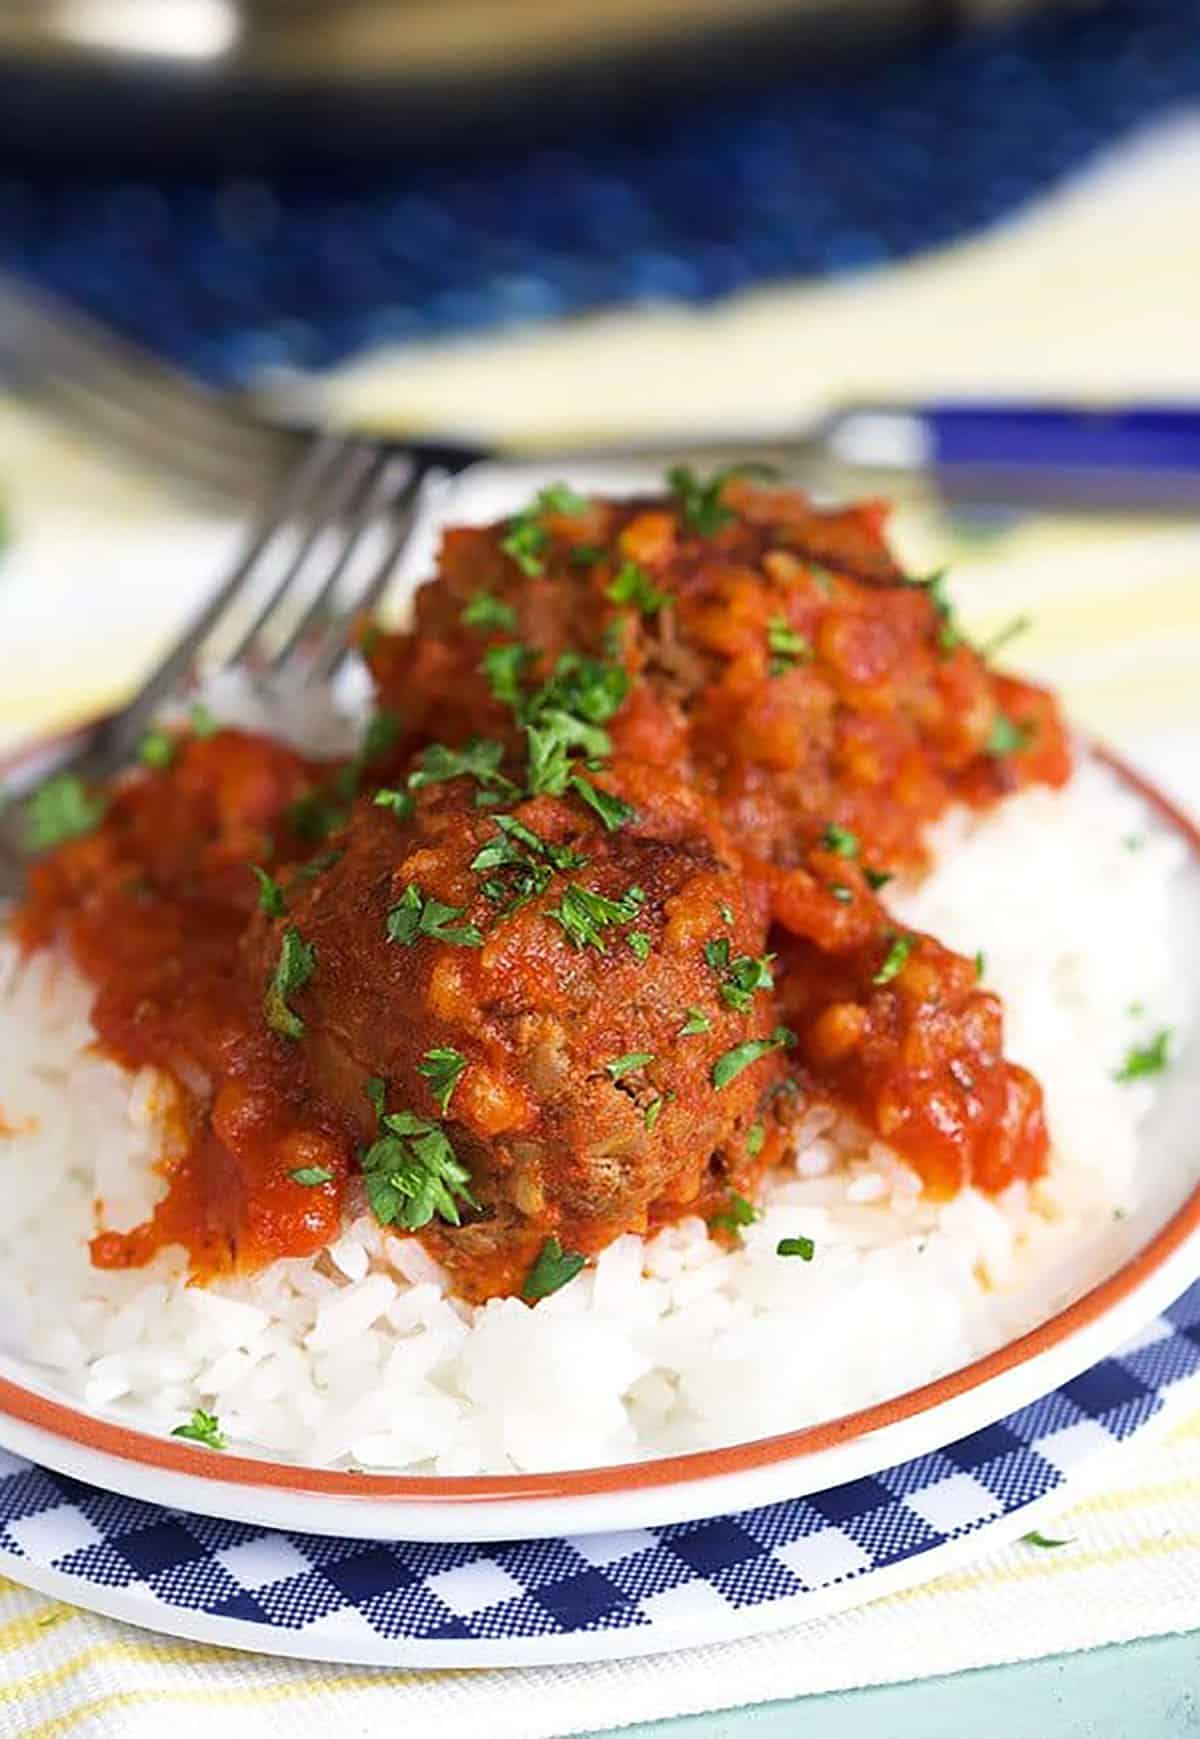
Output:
x=545 y=1004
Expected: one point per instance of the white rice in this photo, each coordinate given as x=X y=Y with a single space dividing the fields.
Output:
x=360 y=1358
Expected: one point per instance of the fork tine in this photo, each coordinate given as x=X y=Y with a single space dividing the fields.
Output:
x=331 y=507
x=374 y=500
x=115 y=386
x=291 y=502
x=327 y=658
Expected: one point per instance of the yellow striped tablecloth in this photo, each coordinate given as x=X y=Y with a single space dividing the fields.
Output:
x=1092 y=294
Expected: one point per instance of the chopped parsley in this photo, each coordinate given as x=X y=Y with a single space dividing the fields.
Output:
x=315 y=815
x=876 y=879
x=203 y=1428
x=270 y=894
x=731 y=1064
x=399 y=802
x=634 y=586
x=418 y=914
x=488 y=613
x=479 y=760
x=586 y=555
x=411 y=1172
x=514 y=854
x=584 y=914
x=61 y=809
x=640 y=943
x=566 y=714
x=157 y=750
x=1006 y=737
x=1143 y=1060
x=700 y=502
x=1044 y=1542
x=726 y=912
x=311 y=1175
x=296 y=964
x=526 y=538
x=202 y=721
x=755 y=1136
x=895 y=958
x=980 y=963
x=697 y=1022
x=626 y=1065
x=949 y=634
x=503 y=667
x=736 y=1214
x=654 y=1111
x=787 y=647
x=741 y=978
x=614 y=812
x=802 y=1247
x=840 y=840
x=551 y=1272
x=442 y=1067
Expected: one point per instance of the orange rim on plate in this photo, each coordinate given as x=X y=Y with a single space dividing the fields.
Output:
x=128 y=1444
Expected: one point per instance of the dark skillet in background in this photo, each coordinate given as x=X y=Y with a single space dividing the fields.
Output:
x=256 y=82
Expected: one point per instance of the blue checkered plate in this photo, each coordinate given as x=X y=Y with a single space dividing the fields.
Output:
x=591 y=1596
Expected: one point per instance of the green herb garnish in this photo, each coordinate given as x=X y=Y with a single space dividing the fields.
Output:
x=1142 y=1060
x=442 y=1067
x=654 y=1111
x=315 y=815
x=202 y=721
x=61 y=809
x=755 y=1136
x=503 y=667
x=1006 y=737
x=736 y=1214
x=157 y=750
x=1043 y=1541
x=700 y=502
x=479 y=760
x=697 y=1022
x=399 y=802
x=583 y=914
x=270 y=894
x=894 y=960
x=489 y=614
x=586 y=555
x=640 y=943
x=551 y=1272
x=412 y=1174
x=634 y=586
x=980 y=963
x=526 y=538
x=876 y=879
x=418 y=914
x=311 y=1175
x=296 y=964
x=840 y=840
x=731 y=1064
x=802 y=1247
x=741 y=978
x=203 y=1428
x=622 y=1066
x=614 y=812
x=787 y=647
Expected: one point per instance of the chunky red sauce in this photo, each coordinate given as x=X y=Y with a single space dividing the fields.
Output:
x=636 y=978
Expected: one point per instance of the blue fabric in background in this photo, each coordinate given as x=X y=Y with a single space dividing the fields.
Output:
x=229 y=276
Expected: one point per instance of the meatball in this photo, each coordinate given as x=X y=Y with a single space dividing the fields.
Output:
x=571 y=1012
x=775 y=655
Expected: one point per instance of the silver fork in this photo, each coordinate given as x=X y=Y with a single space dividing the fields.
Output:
x=321 y=557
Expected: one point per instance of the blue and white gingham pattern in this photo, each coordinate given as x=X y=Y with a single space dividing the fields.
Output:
x=334 y=1594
